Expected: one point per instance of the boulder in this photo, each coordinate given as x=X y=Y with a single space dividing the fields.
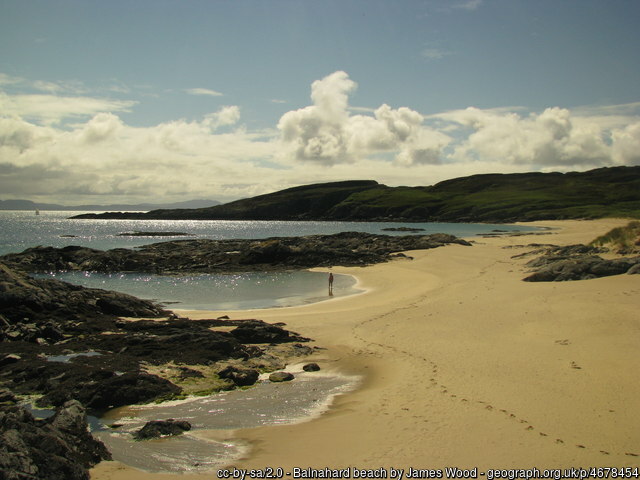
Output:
x=162 y=428
x=311 y=367
x=281 y=377
x=241 y=377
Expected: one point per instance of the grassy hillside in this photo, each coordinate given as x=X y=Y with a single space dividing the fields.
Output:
x=505 y=197
x=300 y=203
x=604 y=192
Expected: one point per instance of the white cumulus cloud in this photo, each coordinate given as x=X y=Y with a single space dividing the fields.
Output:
x=79 y=149
x=327 y=133
x=553 y=138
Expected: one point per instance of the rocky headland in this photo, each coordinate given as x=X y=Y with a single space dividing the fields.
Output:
x=227 y=256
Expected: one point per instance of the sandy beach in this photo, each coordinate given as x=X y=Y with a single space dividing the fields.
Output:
x=464 y=365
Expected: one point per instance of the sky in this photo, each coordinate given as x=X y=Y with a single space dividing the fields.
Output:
x=170 y=100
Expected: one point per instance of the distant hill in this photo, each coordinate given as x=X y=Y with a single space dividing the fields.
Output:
x=596 y=193
x=30 y=205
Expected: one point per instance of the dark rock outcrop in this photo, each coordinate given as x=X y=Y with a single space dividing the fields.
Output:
x=187 y=256
x=58 y=448
x=113 y=391
x=162 y=428
x=250 y=332
x=40 y=311
x=42 y=318
x=578 y=262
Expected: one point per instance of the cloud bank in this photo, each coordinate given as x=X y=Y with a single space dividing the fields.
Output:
x=70 y=147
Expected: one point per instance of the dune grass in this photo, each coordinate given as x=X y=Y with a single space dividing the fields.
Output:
x=621 y=239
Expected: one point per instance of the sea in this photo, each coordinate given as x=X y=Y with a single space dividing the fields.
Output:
x=309 y=395
x=20 y=230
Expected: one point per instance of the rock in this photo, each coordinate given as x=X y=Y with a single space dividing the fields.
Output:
x=252 y=333
x=241 y=377
x=206 y=255
x=311 y=367
x=130 y=388
x=71 y=420
x=7 y=396
x=9 y=359
x=106 y=390
x=162 y=428
x=403 y=229
x=45 y=318
x=635 y=270
x=51 y=304
x=59 y=448
x=580 y=267
x=189 y=373
x=281 y=377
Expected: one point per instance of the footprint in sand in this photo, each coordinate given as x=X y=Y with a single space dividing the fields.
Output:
x=580 y=446
x=563 y=342
x=604 y=452
x=559 y=441
x=529 y=428
x=575 y=366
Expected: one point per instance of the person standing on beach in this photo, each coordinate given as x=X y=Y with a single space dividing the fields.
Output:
x=330 y=283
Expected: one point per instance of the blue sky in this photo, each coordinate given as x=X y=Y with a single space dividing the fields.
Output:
x=168 y=100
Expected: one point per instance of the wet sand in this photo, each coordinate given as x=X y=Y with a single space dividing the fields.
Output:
x=464 y=365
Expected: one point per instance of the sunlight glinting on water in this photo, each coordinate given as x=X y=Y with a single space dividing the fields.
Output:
x=23 y=229
x=218 y=291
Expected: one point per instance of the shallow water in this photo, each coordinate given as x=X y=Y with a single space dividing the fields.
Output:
x=67 y=358
x=216 y=291
x=304 y=398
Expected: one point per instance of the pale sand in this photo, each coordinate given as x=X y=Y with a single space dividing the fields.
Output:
x=465 y=365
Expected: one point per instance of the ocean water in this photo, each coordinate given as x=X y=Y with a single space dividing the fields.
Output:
x=20 y=230
x=23 y=229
